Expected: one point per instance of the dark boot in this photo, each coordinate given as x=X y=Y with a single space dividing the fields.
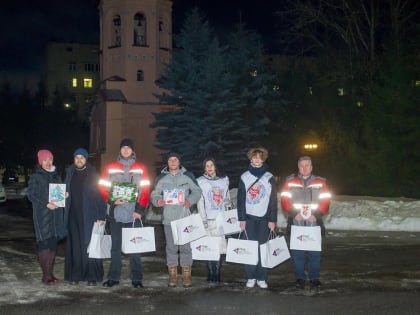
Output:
x=210 y=271
x=43 y=258
x=51 y=262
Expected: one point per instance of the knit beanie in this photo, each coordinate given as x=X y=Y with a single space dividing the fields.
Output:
x=43 y=155
x=127 y=142
x=82 y=152
x=174 y=154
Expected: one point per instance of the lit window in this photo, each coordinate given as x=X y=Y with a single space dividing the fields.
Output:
x=67 y=105
x=253 y=73
x=359 y=104
x=74 y=82
x=340 y=91
x=310 y=90
x=276 y=88
x=87 y=83
x=417 y=82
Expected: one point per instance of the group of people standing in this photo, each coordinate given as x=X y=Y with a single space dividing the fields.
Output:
x=88 y=201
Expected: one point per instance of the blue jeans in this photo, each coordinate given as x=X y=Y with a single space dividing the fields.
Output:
x=299 y=258
x=114 y=272
x=314 y=264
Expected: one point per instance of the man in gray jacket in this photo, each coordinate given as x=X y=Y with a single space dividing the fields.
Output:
x=176 y=191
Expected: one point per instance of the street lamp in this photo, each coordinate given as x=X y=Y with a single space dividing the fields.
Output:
x=310 y=146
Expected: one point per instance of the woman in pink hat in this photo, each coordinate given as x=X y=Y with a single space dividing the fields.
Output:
x=48 y=218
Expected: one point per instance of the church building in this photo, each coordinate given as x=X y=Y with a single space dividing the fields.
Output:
x=135 y=47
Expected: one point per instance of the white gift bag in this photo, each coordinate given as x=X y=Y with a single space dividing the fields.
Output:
x=242 y=251
x=187 y=229
x=206 y=248
x=138 y=239
x=306 y=238
x=274 y=252
x=231 y=222
x=100 y=244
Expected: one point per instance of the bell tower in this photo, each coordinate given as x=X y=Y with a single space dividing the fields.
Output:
x=135 y=43
x=135 y=47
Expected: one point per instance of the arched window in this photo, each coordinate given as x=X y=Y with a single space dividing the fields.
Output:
x=139 y=30
x=117 y=31
x=140 y=75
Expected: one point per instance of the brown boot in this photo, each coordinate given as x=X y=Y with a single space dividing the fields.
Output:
x=186 y=276
x=173 y=276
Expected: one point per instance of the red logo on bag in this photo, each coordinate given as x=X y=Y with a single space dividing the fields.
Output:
x=277 y=252
x=189 y=229
x=241 y=251
x=231 y=220
x=304 y=238
x=136 y=240
x=203 y=248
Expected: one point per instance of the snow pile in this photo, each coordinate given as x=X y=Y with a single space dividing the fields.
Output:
x=370 y=214
x=373 y=214
x=361 y=213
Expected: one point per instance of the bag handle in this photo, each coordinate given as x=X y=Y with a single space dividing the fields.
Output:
x=134 y=221
x=271 y=235
x=239 y=236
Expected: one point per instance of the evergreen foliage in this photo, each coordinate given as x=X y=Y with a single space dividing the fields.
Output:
x=223 y=97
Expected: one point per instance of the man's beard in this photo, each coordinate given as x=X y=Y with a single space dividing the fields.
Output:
x=80 y=168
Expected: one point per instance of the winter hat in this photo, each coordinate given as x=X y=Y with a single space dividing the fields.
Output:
x=43 y=155
x=81 y=151
x=174 y=154
x=127 y=142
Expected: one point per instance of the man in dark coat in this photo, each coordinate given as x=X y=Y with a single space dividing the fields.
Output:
x=84 y=207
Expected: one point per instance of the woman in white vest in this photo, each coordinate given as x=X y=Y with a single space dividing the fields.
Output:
x=257 y=209
x=214 y=199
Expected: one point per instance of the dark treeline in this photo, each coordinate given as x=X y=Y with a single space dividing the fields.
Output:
x=27 y=125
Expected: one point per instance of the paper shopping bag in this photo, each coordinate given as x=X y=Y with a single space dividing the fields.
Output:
x=187 y=229
x=242 y=251
x=274 y=252
x=138 y=240
x=206 y=248
x=306 y=238
x=230 y=222
x=100 y=244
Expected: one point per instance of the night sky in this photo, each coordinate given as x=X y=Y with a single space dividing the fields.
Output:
x=27 y=25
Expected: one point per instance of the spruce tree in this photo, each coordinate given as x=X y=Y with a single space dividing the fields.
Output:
x=222 y=96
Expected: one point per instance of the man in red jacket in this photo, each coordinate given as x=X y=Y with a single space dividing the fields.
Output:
x=128 y=175
x=305 y=198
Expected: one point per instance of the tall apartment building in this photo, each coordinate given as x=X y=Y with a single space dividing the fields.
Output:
x=73 y=72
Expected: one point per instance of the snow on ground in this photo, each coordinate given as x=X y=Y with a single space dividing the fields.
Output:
x=373 y=214
x=370 y=214
x=363 y=213
x=22 y=286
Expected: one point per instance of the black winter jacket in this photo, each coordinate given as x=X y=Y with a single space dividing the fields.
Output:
x=47 y=223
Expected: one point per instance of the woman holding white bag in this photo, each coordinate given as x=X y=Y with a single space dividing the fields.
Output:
x=214 y=199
